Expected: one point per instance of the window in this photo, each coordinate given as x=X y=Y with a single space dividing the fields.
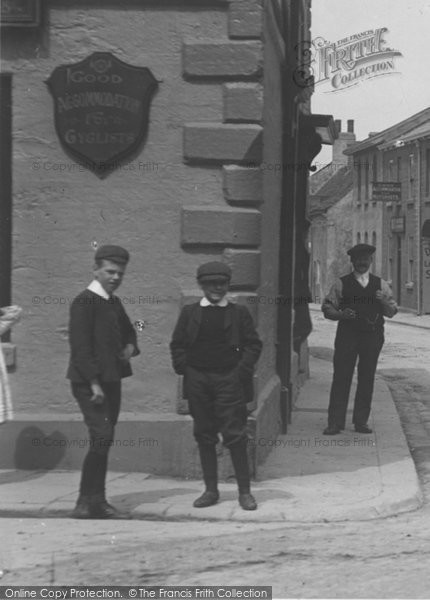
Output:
x=359 y=181
x=390 y=270
x=410 y=175
x=366 y=238
x=317 y=272
x=427 y=171
x=375 y=168
x=358 y=237
x=411 y=254
x=391 y=170
x=399 y=168
x=366 y=180
x=374 y=238
x=390 y=260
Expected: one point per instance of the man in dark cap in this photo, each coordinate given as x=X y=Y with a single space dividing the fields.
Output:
x=359 y=301
x=102 y=341
x=215 y=346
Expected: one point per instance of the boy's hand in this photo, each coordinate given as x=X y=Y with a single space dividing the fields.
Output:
x=98 y=395
x=127 y=353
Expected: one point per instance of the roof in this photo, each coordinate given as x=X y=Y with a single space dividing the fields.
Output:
x=419 y=132
x=390 y=135
x=320 y=178
x=332 y=191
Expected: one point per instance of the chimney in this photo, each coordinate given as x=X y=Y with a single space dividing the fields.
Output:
x=344 y=139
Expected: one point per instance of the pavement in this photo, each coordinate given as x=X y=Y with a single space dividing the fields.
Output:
x=308 y=477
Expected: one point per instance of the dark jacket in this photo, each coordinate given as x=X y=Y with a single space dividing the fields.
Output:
x=241 y=335
x=99 y=330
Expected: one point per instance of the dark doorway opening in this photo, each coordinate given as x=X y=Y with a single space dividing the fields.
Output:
x=5 y=191
x=399 y=271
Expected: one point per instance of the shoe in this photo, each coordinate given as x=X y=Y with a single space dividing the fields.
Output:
x=331 y=430
x=247 y=501
x=82 y=509
x=104 y=510
x=363 y=429
x=206 y=499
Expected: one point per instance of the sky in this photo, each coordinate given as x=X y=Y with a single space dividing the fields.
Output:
x=380 y=102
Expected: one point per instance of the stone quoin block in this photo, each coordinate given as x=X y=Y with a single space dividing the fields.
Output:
x=242 y=184
x=204 y=226
x=215 y=141
x=245 y=19
x=243 y=102
x=245 y=265
x=222 y=59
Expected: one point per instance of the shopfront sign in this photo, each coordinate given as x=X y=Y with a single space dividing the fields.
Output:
x=20 y=13
x=397 y=224
x=386 y=191
x=101 y=110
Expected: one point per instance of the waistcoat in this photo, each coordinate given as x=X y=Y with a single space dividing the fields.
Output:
x=363 y=301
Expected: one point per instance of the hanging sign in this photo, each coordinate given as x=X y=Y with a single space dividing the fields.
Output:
x=101 y=109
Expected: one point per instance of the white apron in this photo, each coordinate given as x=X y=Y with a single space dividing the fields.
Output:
x=10 y=316
x=6 y=410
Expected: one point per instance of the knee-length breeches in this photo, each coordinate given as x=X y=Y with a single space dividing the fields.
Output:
x=217 y=405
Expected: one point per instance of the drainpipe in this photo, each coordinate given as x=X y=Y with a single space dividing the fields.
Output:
x=419 y=227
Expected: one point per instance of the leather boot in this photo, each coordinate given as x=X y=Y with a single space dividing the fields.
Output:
x=82 y=509
x=209 y=462
x=239 y=458
x=101 y=509
x=208 y=498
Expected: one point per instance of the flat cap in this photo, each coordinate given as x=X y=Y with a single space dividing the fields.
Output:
x=113 y=253
x=213 y=270
x=361 y=249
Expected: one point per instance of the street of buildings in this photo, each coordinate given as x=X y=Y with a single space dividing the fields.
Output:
x=383 y=558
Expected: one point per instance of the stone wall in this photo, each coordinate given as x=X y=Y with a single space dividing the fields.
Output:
x=175 y=194
x=339 y=239
x=195 y=192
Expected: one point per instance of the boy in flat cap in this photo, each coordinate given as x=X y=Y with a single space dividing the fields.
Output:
x=215 y=346
x=102 y=341
x=359 y=301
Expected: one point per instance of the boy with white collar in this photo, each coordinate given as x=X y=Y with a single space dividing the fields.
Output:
x=102 y=341
x=215 y=346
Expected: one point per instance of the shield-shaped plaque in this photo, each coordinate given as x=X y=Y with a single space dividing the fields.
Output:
x=101 y=107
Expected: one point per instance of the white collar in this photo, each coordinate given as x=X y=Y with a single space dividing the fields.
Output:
x=96 y=287
x=362 y=277
x=205 y=302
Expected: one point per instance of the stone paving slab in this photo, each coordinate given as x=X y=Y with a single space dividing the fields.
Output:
x=308 y=477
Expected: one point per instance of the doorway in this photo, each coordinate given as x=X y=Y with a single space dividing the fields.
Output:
x=5 y=191
x=399 y=271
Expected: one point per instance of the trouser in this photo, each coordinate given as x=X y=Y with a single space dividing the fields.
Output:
x=217 y=405
x=350 y=345
x=100 y=420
